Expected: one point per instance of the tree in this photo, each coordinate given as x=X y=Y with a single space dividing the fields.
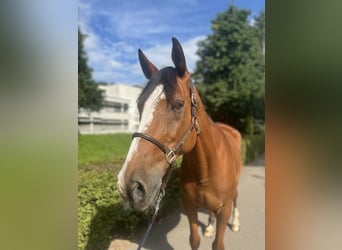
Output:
x=230 y=71
x=89 y=96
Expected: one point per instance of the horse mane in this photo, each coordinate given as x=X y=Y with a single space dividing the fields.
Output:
x=168 y=78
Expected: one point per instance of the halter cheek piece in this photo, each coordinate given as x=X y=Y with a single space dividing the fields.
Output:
x=170 y=155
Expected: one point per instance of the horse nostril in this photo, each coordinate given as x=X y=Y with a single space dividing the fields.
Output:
x=138 y=191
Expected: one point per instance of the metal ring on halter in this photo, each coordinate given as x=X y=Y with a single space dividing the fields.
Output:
x=171 y=156
x=193 y=100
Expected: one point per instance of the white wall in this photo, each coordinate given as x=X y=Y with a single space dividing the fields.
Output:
x=119 y=114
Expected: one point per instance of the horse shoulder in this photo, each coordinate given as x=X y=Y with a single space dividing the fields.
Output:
x=231 y=132
x=234 y=140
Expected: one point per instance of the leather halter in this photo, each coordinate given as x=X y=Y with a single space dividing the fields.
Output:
x=170 y=156
x=171 y=153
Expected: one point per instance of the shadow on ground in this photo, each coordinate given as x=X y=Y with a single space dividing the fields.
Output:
x=158 y=236
x=157 y=239
x=103 y=234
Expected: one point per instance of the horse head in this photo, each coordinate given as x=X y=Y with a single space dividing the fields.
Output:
x=167 y=107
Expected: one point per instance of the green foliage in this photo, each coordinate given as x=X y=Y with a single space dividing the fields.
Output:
x=231 y=70
x=101 y=215
x=252 y=147
x=100 y=210
x=89 y=96
x=102 y=148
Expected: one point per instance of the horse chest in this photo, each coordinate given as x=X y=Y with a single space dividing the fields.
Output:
x=203 y=196
x=208 y=199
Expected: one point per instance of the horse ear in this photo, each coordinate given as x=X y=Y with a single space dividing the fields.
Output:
x=147 y=67
x=178 y=57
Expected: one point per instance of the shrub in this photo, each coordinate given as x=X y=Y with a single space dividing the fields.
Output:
x=100 y=210
x=101 y=216
x=252 y=147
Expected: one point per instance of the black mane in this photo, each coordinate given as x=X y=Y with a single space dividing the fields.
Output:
x=166 y=76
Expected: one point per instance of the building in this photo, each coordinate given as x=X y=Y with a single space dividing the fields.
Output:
x=119 y=113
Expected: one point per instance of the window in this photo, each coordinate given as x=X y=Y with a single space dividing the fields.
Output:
x=117 y=107
x=125 y=108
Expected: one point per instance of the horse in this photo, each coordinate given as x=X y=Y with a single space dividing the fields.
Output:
x=173 y=122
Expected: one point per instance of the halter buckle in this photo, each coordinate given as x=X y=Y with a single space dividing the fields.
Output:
x=171 y=157
x=196 y=125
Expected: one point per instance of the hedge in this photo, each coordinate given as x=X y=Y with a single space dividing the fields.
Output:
x=101 y=216
x=252 y=147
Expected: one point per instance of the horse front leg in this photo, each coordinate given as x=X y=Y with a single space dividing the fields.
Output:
x=221 y=224
x=236 y=214
x=191 y=212
x=209 y=230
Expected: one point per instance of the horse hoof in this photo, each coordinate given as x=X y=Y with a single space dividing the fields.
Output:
x=235 y=228
x=209 y=232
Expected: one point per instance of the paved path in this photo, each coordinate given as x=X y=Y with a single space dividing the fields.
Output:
x=173 y=232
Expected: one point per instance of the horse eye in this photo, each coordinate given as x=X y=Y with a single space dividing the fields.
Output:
x=178 y=104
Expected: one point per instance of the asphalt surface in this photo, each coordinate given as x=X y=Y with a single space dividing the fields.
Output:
x=173 y=232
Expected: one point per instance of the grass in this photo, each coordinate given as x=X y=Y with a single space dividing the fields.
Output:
x=101 y=149
x=112 y=148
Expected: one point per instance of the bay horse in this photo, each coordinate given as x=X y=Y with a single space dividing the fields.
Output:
x=173 y=122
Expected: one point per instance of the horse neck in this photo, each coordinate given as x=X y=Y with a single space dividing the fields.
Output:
x=204 y=122
x=204 y=146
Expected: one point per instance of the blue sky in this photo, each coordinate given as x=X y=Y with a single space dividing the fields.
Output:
x=116 y=29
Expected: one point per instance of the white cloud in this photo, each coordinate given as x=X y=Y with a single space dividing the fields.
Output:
x=118 y=62
x=109 y=60
x=190 y=48
x=115 y=64
x=139 y=23
x=112 y=53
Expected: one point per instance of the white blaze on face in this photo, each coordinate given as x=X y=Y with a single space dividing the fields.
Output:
x=146 y=118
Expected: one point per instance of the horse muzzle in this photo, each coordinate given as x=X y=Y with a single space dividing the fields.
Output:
x=137 y=195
